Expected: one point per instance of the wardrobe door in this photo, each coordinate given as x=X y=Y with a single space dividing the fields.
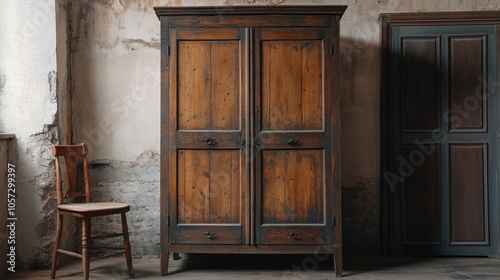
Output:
x=444 y=139
x=292 y=130
x=207 y=122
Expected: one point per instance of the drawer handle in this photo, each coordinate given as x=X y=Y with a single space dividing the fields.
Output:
x=292 y=142
x=211 y=235
x=293 y=235
x=209 y=141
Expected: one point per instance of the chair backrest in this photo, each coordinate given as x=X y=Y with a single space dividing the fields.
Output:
x=70 y=154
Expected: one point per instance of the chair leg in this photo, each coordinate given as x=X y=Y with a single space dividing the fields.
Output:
x=85 y=250
x=177 y=256
x=126 y=243
x=58 y=243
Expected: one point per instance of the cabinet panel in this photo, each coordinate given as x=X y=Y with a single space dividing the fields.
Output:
x=292 y=85
x=420 y=83
x=209 y=84
x=467 y=74
x=208 y=234
x=468 y=192
x=420 y=197
x=292 y=187
x=209 y=187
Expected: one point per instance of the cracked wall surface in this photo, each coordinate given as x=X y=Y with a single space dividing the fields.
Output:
x=101 y=85
x=115 y=89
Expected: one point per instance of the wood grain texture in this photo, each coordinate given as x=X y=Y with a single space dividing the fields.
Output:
x=203 y=21
x=164 y=145
x=282 y=235
x=226 y=234
x=292 y=82
x=209 y=187
x=197 y=139
x=292 y=187
x=294 y=131
x=225 y=85
x=194 y=85
x=208 y=137
x=467 y=189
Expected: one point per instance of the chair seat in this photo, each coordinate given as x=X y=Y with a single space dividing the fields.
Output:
x=94 y=207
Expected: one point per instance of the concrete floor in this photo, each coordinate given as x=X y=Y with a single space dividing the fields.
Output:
x=208 y=267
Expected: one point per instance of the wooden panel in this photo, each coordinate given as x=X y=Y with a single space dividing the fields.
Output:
x=198 y=139
x=193 y=85
x=467 y=62
x=420 y=83
x=225 y=85
x=250 y=20
x=420 y=197
x=283 y=235
x=279 y=140
x=224 y=193
x=292 y=85
x=296 y=12
x=208 y=187
x=208 y=85
x=269 y=34
x=194 y=234
x=292 y=187
x=467 y=192
x=257 y=249
x=197 y=34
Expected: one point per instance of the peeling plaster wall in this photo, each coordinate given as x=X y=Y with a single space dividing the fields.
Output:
x=28 y=109
x=115 y=89
x=115 y=81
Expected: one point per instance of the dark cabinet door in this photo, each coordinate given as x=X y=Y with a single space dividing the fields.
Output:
x=208 y=127
x=445 y=162
x=293 y=120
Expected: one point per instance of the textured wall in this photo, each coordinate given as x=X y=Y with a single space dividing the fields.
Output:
x=28 y=109
x=115 y=47
x=108 y=70
x=115 y=95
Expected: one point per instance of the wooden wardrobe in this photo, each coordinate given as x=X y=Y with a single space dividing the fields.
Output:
x=250 y=131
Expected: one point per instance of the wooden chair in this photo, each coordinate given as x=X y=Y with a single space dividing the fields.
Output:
x=85 y=211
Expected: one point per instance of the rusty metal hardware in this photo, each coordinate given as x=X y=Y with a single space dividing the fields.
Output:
x=209 y=141
x=293 y=235
x=292 y=141
x=211 y=235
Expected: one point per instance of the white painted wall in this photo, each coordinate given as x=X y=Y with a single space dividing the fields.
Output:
x=27 y=109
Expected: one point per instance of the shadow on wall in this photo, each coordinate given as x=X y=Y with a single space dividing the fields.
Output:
x=360 y=121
